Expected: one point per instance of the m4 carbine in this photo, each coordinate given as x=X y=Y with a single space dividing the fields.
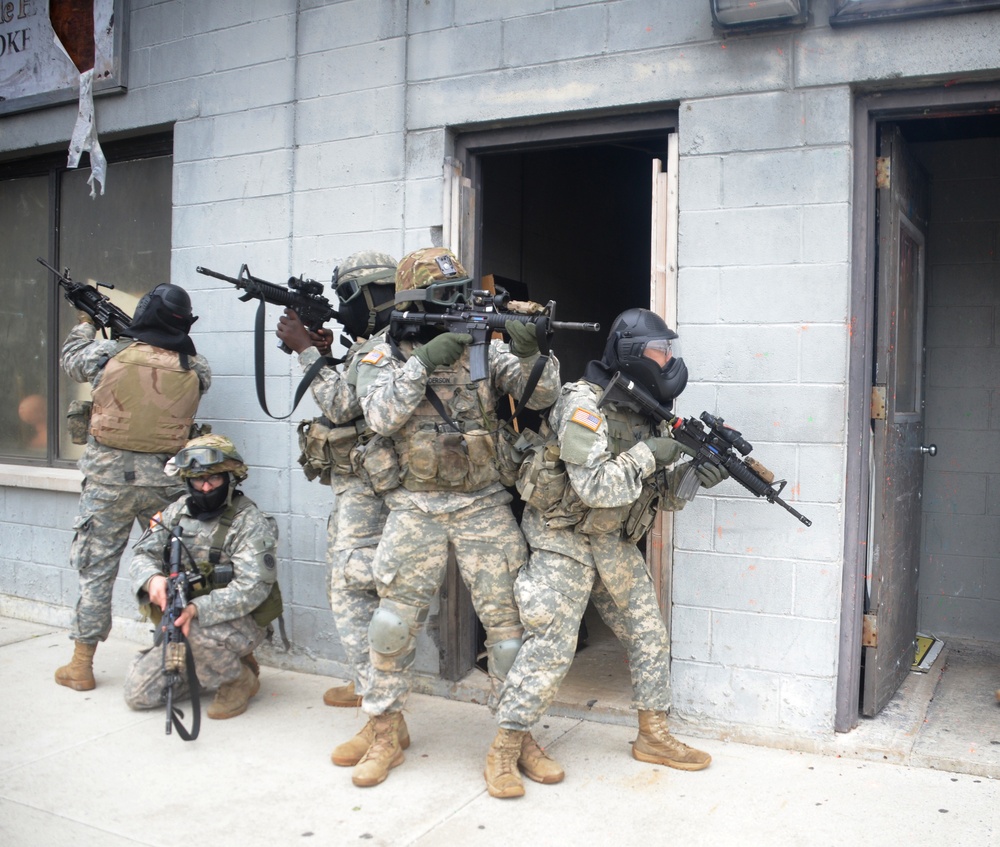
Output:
x=86 y=298
x=489 y=313
x=303 y=296
x=708 y=440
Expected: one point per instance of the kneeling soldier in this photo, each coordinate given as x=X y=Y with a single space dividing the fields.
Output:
x=232 y=543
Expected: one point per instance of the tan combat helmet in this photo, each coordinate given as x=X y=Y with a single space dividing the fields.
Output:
x=210 y=454
x=431 y=275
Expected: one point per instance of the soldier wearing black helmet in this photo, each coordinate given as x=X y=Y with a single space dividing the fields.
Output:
x=589 y=503
x=146 y=389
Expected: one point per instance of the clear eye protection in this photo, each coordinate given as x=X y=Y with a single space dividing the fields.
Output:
x=198 y=457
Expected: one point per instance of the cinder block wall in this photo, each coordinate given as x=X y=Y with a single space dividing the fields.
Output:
x=959 y=581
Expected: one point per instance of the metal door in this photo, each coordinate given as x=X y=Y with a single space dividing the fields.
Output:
x=890 y=620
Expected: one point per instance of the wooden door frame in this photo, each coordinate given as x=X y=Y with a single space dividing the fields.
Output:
x=869 y=111
x=462 y=233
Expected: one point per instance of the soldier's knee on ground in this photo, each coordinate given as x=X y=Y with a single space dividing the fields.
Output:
x=392 y=635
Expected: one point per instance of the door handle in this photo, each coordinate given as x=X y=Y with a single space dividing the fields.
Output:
x=928 y=449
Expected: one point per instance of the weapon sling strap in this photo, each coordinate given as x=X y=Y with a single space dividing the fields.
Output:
x=429 y=392
x=176 y=715
x=258 y=355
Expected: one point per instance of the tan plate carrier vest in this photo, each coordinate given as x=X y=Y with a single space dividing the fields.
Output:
x=146 y=401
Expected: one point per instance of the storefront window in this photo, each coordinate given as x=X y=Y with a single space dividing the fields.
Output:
x=122 y=238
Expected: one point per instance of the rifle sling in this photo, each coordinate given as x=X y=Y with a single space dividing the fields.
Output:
x=310 y=375
x=176 y=715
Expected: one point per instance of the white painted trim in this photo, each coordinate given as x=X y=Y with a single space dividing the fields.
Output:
x=45 y=479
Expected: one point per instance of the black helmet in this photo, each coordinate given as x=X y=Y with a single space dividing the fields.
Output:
x=163 y=318
x=632 y=333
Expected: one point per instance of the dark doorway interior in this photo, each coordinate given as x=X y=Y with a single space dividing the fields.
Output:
x=572 y=224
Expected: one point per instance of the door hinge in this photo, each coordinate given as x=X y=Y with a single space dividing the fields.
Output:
x=883 y=171
x=878 y=402
x=869 y=631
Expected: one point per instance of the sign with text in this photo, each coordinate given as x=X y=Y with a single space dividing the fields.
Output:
x=45 y=46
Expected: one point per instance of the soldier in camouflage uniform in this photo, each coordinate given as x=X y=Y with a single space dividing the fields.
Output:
x=146 y=389
x=590 y=503
x=227 y=618
x=450 y=496
x=358 y=465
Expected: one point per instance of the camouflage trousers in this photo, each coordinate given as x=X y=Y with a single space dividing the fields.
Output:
x=353 y=533
x=410 y=566
x=552 y=593
x=103 y=524
x=216 y=649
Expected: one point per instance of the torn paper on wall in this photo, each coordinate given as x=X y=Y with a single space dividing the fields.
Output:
x=85 y=136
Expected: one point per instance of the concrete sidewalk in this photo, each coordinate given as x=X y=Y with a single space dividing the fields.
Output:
x=80 y=768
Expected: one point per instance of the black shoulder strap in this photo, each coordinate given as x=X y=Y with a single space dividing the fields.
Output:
x=429 y=392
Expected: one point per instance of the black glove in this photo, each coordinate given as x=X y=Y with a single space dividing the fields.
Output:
x=443 y=350
x=664 y=449
x=711 y=475
x=523 y=340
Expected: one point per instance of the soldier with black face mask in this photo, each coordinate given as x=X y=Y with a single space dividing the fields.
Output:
x=231 y=543
x=146 y=390
x=590 y=499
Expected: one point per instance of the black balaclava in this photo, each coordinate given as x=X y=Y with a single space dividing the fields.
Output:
x=205 y=505
x=163 y=318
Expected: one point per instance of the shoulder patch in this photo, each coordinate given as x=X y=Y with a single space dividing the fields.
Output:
x=586 y=418
x=372 y=357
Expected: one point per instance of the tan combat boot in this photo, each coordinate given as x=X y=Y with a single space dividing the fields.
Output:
x=342 y=696
x=538 y=765
x=251 y=662
x=348 y=754
x=502 y=778
x=79 y=673
x=232 y=698
x=383 y=755
x=656 y=745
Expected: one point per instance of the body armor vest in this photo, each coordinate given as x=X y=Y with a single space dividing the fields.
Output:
x=432 y=456
x=146 y=401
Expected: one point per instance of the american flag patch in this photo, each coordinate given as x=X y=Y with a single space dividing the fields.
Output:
x=586 y=418
x=373 y=357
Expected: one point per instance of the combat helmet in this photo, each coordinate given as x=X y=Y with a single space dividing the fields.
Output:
x=163 y=318
x=431 y=279
x=364 y=285
x=632 y=333
x=210 y=454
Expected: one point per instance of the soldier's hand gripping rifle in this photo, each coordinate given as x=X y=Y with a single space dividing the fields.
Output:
x=489 y=313
x=303 y=296
x=106 y=316
x=177 y=657
x=708 y=441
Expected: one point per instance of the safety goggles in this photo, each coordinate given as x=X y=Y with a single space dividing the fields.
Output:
x=347 y=289
x=198 y=457
x=661 y=345
x=438 y=293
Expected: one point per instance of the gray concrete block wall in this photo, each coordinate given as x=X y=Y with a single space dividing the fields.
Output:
x=959 y=580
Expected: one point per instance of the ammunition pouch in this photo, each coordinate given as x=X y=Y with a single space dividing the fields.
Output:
x=78 y=420
x=374 y=462
x=542 y=479
x=449 y=461
x=270 y=609
x=641 y=514
x=326 y=447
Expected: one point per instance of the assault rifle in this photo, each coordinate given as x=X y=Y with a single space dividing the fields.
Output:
x=176 y=651
x=86 y=298
x=489 y=313
x=708 y=440
x=303 y=296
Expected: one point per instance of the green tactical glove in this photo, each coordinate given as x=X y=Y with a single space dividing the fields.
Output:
x=664 y=449
x=711 y=475
x=523 y=341
x=443 y=350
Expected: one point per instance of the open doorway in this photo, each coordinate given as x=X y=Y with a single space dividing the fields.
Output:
x=953 y=580
x=566 y=213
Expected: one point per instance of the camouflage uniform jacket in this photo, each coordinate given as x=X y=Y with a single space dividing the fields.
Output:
x=83 y=359
x=393 y=395
x=249 y=545
x=603 y=475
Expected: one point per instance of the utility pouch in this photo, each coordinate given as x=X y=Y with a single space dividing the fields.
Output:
x=641 y=514
x=375 y=462
x=542 y=479
x=78 y=420
x=602 y=521
x=270 y=609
